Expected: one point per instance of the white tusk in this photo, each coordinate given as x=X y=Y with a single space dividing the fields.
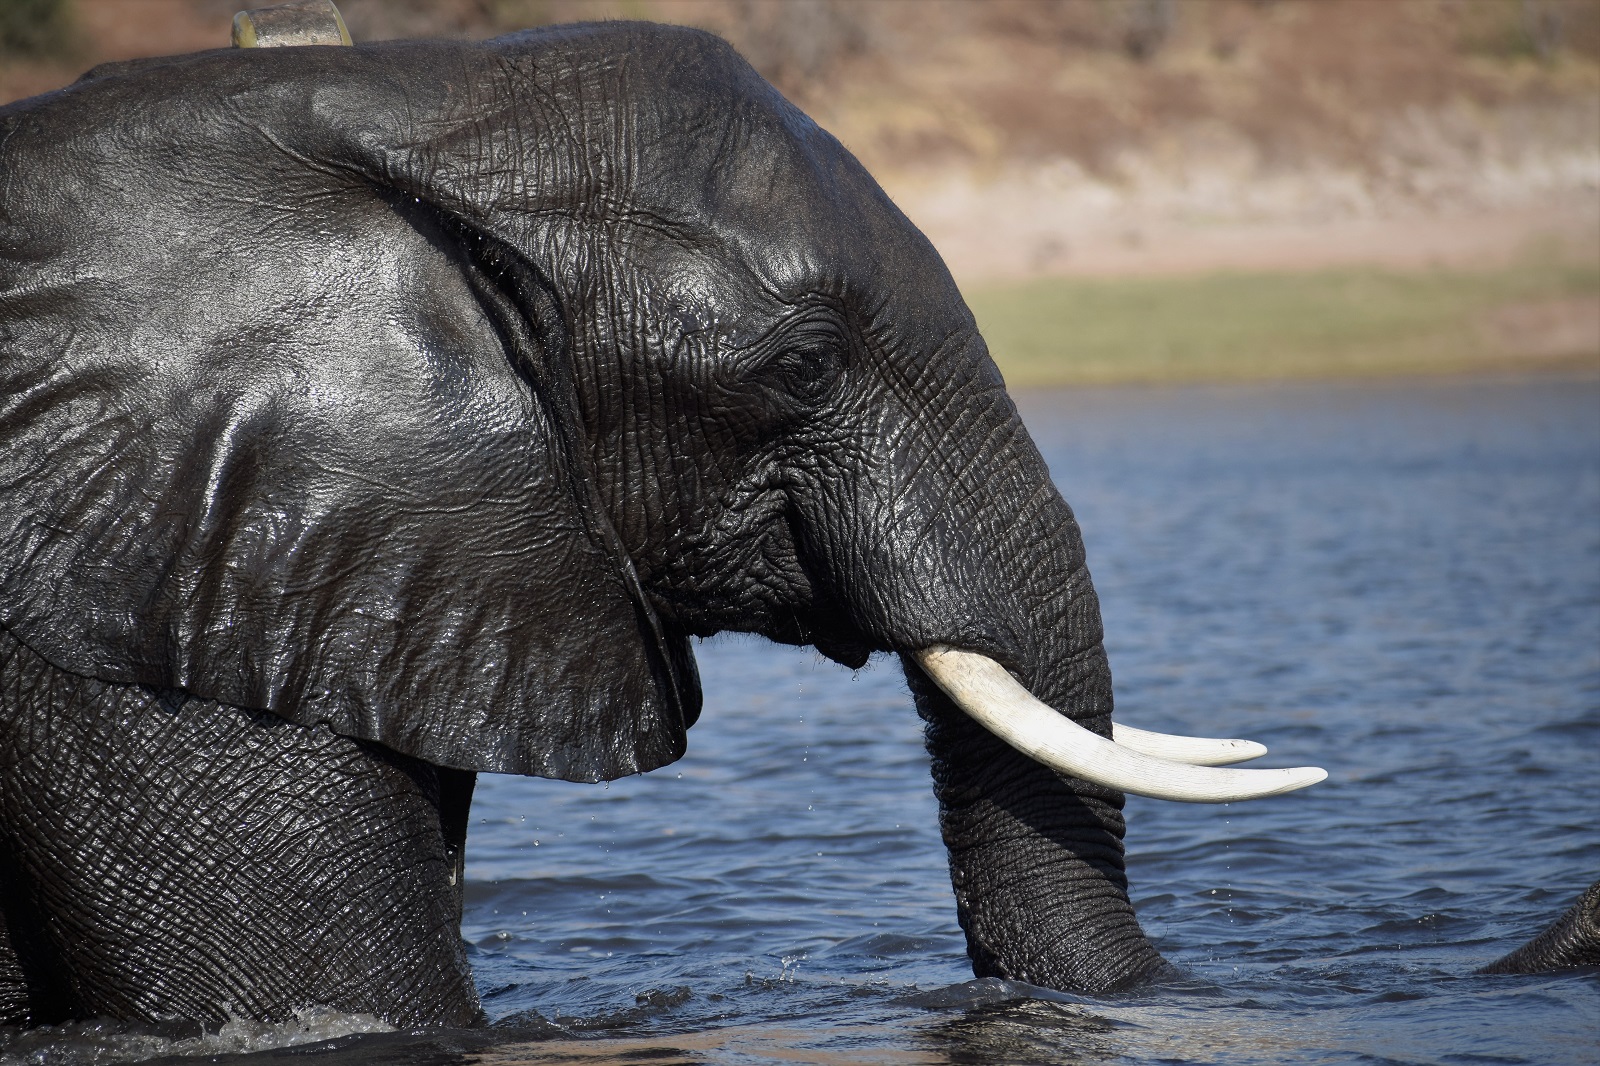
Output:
x=982 y=687
x=1196 y=751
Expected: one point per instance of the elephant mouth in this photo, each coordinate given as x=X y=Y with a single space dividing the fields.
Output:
x=1158 y=765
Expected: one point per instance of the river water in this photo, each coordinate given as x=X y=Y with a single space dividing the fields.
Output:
x=1399 y=582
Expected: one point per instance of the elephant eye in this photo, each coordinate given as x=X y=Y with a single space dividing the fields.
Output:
x=809 y=362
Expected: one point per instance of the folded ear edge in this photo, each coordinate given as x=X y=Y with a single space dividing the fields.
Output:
x=535 y=332
x=106 y=572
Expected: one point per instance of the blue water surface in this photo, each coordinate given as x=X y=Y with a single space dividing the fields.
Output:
x=1399 y=582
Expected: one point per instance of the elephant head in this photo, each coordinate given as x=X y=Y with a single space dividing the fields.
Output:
x=437 y=393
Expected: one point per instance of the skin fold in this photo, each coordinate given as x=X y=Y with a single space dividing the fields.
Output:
x=373 y=417
x=319 y=843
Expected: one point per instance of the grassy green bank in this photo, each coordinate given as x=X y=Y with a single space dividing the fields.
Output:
x=1328 y=323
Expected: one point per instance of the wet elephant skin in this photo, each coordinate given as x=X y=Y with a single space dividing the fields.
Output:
x=376 y=416
x=284 y=849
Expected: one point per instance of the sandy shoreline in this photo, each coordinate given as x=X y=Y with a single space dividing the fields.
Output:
x=1010 y=232
x=998 y=235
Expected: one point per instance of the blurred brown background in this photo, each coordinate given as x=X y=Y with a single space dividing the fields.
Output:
x=1114 y=138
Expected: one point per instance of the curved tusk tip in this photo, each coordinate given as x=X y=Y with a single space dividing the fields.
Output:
x=1256 y=784
x=1306 y=776
x=1245 y=750
x=1196 y=751
x=1265 y=783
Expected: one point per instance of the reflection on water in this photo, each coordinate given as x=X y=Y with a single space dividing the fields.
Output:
x=1399 y=582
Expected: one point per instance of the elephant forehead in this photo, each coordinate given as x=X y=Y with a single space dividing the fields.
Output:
x=779 y=233
x=794 y=207
x=677 y=131
x=803 y=216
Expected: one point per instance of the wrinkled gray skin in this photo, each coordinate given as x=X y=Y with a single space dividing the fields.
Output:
x=1571 y=941
x=374 y=416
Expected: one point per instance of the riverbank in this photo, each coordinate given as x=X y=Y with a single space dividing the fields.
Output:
x=1203 y=274
x=1539 y=313
x=1141 y=190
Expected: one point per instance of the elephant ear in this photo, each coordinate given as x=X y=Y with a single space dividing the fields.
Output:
x=330 y=470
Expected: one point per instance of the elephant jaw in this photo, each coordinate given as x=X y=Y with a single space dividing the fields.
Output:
x=1135 y=760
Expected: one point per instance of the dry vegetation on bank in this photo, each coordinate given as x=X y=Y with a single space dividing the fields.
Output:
x=1369 y=176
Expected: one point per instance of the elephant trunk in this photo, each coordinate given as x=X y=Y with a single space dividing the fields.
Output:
x=1036 y=860
x=1036 y=856
x=998 y=626
x=990 y=561
x=1571 y=940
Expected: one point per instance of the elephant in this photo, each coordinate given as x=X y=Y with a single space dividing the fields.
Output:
x=1571 y=941
x=377 y=416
